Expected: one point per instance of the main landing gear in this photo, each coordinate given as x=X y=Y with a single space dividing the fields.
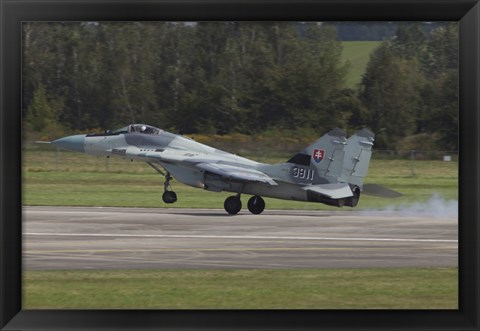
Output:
x=233 y=204
x=256 y=204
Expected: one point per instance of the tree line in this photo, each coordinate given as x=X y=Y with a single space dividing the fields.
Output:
x=377 y=31
x=239 y=77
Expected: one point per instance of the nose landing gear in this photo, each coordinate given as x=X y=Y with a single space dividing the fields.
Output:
x=168 y=196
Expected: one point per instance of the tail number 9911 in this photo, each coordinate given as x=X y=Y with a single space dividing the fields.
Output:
x=303 y=173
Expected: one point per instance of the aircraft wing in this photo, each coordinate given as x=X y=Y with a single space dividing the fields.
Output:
x=211 y=165
x=333 y=190
x=235 y=173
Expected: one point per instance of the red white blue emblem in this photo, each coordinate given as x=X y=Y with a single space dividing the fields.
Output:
x=318 y=155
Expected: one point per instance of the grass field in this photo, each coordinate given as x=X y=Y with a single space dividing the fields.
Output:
x=402 y=288
x=357 y=53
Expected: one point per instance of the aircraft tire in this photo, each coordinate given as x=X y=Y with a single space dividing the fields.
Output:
x=256 y=204
x=169 y=197
x=232 y=205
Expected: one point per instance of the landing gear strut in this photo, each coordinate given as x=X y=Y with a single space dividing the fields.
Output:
x=167 y=196
x=256 y=204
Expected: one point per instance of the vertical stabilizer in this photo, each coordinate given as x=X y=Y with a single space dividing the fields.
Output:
x=325 y=155
x=358 y=151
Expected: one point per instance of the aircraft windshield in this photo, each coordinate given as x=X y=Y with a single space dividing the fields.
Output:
x=139 y=128
x=122 y=130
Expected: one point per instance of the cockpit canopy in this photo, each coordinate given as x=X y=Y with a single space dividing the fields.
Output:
x=139 y=128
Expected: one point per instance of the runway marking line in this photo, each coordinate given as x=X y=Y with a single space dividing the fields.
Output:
x=121 y=235
x=191 y=250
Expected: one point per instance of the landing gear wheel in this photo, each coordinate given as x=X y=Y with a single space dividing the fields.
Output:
x=256 y=204
x=233 y=205
x=169 y=197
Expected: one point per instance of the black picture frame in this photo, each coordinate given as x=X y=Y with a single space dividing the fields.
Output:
x=14 y=12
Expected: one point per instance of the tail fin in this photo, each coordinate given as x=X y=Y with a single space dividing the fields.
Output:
x=337 y=159
x=358 y=152
x=326 y=154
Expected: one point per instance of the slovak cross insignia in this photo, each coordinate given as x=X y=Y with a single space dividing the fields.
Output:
x=318 y=155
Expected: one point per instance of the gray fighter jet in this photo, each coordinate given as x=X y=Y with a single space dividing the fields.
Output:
x=329 y=171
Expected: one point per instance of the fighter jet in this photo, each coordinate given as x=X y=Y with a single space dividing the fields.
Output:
x=329 y=171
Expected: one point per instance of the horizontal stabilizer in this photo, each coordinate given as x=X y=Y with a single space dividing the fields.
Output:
x=380 y=191
x=43 y=142
x=333 y=191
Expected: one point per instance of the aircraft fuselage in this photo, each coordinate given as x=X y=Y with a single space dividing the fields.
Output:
x=329 y=171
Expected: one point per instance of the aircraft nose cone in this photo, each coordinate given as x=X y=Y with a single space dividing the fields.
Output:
x=72 y=143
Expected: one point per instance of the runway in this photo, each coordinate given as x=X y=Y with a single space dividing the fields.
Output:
x=65 y=238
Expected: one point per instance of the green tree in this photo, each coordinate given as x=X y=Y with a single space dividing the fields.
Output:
x=301 y=78
x=409 y=41
x=444 y=114
x=390 y=94
x=43 y=113
x=410 y=87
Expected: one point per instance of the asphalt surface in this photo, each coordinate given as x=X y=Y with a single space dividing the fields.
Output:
x=138 y=238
